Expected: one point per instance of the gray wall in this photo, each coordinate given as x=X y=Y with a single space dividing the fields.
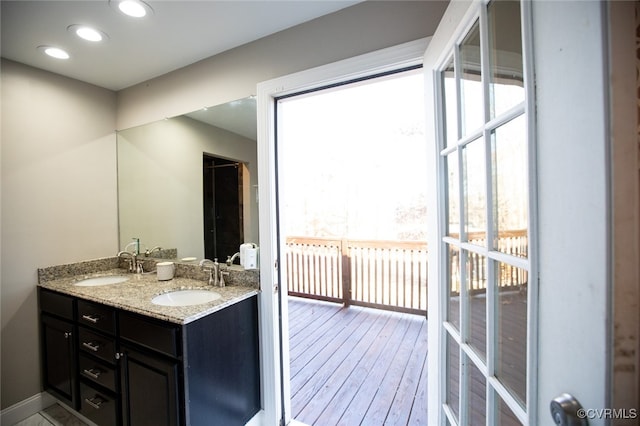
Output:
x=232 y=75
x=58 y=170
x=58 y=199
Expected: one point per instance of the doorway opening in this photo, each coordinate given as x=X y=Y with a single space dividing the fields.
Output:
x=351 y=188
x=223 y=207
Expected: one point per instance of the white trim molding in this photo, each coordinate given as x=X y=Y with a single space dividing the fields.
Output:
x=26 y=408
x=273 y=313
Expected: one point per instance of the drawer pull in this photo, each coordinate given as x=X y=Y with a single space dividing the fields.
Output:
x=67 y=335
x=92 y=346
x=94 y=373
x=91 y=318
x=95 y=402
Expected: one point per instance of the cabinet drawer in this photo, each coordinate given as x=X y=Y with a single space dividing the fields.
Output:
x=56 y=304
x=97 y=344
x=156 y=335
x=98 y=372
x=98 y=316
x=98 y=406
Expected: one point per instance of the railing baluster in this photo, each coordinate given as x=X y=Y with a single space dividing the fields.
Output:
x=388 y=274
x=412 y=278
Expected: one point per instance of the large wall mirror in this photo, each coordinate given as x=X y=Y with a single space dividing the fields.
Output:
x=190 y=182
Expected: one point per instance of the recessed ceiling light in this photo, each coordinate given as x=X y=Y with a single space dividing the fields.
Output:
x=54 y=52
x=133 y=8
x=87 y=33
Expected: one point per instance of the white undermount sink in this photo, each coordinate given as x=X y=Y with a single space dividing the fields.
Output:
x=107 y=280
x=185 y=298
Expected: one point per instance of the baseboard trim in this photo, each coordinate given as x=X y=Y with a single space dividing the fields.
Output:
x=30 y=406
x=26 y=408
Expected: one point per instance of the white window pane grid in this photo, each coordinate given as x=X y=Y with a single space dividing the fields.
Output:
x=502 y=406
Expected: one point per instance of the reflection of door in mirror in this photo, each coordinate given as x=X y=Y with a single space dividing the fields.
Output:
x=222 y=202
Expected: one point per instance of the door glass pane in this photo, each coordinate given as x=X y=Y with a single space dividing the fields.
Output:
x=453 y=376
x=511 y=332
x=450 y=106
x=453 y=195
x=504 y=415
x=471 y=82
x=506 y=87
x=477 y=288
x=510 y=187
x=484 y=122
x=475 y=193
x=454 y=287
x=477 y=394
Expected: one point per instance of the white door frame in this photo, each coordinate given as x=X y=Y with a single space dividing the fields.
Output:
x=573 y=173
x=273 y=308
x=574 y=202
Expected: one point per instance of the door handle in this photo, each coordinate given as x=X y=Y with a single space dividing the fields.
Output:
x=565 y=410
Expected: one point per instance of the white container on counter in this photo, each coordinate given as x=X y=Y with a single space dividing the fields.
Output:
x=165 y=271
x=243 y=252
x=251 y=258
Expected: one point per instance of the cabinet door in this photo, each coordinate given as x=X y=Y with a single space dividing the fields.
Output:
x=59 y=359
x=150 y=389
x=223 y=366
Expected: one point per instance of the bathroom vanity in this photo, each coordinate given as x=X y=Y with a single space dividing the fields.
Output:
x=118 y=359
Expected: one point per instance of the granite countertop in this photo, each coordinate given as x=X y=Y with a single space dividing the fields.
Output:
x=135 y=294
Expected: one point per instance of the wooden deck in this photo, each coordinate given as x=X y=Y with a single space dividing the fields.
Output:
x=356 y=365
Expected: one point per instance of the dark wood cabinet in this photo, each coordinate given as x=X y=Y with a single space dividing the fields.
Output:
x=99 y=406
x=59 y=359
x=204 y=373
x=150 y=389
x=98 y=363
x=121 y=368
x=223 y=349
x=150 y=371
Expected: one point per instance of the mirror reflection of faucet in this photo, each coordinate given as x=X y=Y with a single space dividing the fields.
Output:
x=231 y=259
x=132 y=253
x=133 y=246
x=148 y=252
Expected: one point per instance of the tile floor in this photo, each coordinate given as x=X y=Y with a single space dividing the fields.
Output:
x=54 y=415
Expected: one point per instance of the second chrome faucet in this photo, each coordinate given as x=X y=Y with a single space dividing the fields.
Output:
x=216 y=275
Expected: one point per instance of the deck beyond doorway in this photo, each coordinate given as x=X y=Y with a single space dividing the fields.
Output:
x=356 y=365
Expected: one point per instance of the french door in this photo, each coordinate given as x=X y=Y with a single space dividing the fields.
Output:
x=494 y=350
x=518 y=235
x=486 y=270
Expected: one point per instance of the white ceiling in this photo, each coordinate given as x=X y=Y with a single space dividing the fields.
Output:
x=177 y=34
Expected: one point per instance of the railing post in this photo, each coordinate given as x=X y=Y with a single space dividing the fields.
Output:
x=346 y=272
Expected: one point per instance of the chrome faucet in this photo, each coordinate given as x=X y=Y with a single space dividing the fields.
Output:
x=132 y=261
x=215 y=275
x=149 y=251
x=230 y=259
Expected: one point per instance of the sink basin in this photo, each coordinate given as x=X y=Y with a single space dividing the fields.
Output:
x=185 y=298
x=96 y=281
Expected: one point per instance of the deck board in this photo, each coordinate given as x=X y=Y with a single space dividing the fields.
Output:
x=336 y=373
x=356 y=365
x=409 y=389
